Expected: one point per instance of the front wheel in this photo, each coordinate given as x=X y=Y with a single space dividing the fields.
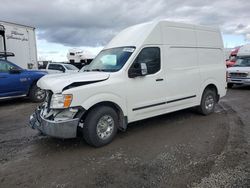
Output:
x=208 y=102
x=36 y=94
x=100 y=126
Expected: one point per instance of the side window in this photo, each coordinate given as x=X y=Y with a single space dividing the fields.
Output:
x=4 y=66
x=52 y=67
x=61 y=68
x=56 y=67
x=152 y=57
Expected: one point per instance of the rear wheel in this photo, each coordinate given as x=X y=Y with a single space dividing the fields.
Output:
x=230 y=85
x=36 y=94
x=100 y=126
x=208 y=102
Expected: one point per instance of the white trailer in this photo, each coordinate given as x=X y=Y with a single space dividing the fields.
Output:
x=20 y=40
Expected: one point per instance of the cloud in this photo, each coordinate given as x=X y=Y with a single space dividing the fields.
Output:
x=95 y=22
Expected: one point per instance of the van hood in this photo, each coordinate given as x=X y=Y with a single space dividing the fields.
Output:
x=60 y=82
x=238 y=69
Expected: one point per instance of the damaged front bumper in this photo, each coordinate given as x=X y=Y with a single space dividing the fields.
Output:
x=55 y=128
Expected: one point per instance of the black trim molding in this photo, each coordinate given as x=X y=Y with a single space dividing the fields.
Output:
x=148 y=106
x=175 y=100
x=77 y=84
x=158 y=104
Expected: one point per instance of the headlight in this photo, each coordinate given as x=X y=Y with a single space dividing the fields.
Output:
x=60 y=101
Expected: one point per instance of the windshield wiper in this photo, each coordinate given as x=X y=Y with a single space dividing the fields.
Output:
x=100 y=70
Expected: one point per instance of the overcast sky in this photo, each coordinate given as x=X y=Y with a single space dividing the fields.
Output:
x=90 y=24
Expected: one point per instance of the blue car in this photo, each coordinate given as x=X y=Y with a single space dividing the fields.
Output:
x=18 y=82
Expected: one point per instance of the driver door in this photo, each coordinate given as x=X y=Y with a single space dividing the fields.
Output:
x=10 y=83
x=146 y=95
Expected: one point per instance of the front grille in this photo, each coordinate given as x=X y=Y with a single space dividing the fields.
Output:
x=238 y=74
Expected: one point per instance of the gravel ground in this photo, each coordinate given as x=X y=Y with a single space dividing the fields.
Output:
x=181 y=149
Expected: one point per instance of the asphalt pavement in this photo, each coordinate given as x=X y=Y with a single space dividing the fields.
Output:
x=180 y=149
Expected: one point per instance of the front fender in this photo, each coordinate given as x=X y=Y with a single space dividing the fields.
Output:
x=105 y=97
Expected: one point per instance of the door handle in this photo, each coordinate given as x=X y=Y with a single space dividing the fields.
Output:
x=159 y=79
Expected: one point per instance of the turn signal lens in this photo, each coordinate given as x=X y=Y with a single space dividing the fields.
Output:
x=67 y=101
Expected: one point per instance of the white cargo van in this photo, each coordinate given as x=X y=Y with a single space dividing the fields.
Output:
x=239 y=73
x=147 y=70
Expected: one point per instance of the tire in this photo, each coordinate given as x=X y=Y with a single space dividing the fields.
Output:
x=208 y=102
x=230 y=85
x=36 y=94
x=100 y=126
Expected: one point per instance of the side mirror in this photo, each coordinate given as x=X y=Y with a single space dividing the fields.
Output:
x=15 y=70
x=138 y=69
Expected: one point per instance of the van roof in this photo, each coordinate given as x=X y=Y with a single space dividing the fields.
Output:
x=12 y=23
x=151 y=33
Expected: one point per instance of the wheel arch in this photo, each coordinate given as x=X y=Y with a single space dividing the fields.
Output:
x=122 y=117
x=213 y=87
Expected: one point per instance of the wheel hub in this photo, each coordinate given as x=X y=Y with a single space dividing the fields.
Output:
x=209 y=102
x=105 y=127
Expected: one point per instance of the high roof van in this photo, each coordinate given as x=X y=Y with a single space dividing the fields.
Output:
x=146 y=70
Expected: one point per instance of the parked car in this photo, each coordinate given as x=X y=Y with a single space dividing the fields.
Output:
x=18 y=82
x=147 y=70
x=239 y=73
x=52 y=68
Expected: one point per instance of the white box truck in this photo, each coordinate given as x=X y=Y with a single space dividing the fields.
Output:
x=20 y=40
x=147 y=70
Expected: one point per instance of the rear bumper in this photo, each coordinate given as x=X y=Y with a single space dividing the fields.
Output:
x=59 y=129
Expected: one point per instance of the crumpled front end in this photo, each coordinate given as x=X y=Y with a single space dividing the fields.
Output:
x=60 y=123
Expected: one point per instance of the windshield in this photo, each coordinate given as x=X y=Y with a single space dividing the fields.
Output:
x=70 y=67
x=110 y=60
x=242 y=62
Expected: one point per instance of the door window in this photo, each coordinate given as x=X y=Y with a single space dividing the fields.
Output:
x=151 y=56
x=4 y=66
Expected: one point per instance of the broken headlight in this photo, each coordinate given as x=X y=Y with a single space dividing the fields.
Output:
x=60 y=101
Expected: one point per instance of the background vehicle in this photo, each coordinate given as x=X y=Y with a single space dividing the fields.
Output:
x=20 y=40
x=60 y=68
x=230 y=61
x=79 y=58
x=18 y=82
x=239 y=73
x=146 y=70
